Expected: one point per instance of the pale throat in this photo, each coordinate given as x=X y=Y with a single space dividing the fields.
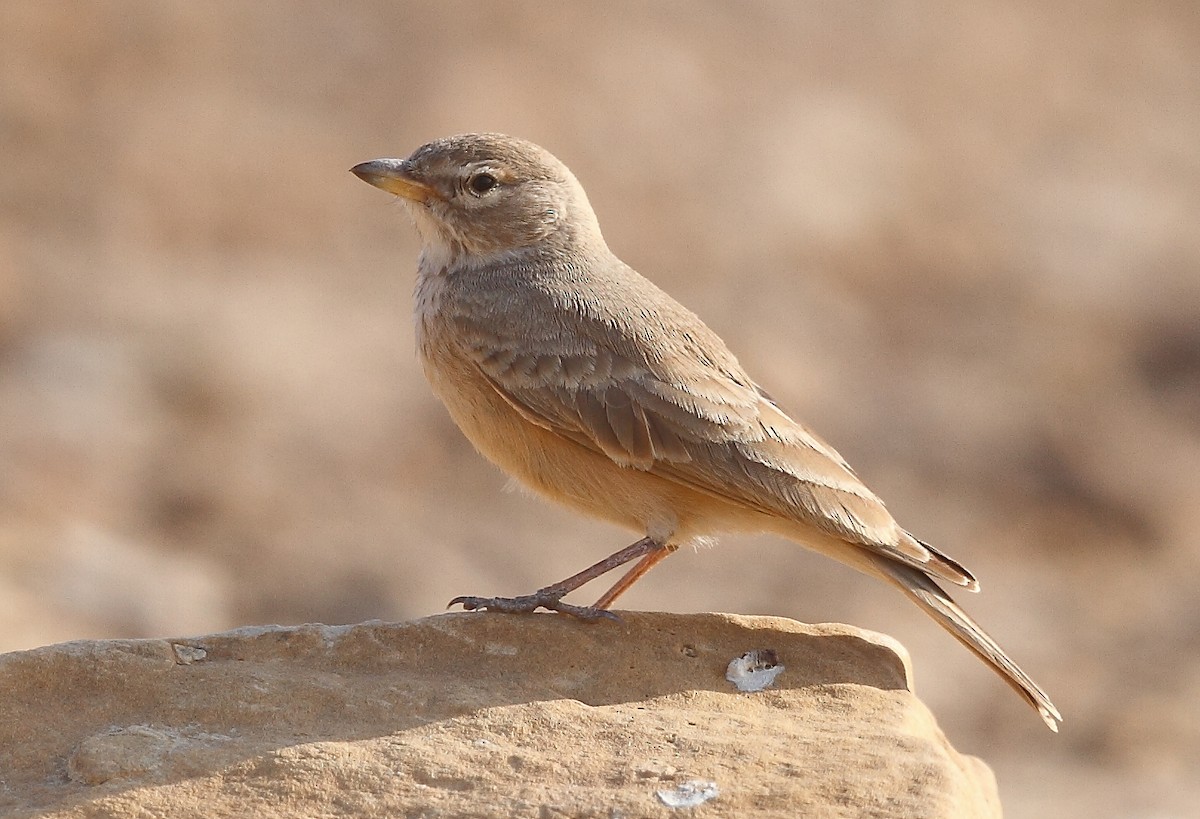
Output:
x=441 y=250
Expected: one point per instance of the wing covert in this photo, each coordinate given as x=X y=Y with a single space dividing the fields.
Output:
x=690 y=415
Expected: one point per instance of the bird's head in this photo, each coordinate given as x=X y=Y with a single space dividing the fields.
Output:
x=477 y=197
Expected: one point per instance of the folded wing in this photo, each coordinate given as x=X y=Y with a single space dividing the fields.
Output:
x=680 y=406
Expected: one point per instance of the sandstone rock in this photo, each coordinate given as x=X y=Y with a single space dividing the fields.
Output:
x=479 y=715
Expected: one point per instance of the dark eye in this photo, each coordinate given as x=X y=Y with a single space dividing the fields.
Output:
x=481 y=183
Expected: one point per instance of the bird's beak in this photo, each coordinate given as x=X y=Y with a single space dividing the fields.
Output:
x=393 y=176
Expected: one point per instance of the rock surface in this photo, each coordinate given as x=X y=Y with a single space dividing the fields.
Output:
x=479 y=715
x=468 y=715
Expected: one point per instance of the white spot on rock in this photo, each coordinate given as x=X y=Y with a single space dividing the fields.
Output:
x=689 y=794
x=754 y=670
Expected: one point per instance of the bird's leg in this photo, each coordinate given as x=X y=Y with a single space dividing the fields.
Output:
x=551 y=596
x=648 y=562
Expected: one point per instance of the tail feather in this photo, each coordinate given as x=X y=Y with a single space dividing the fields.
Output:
x=932 y=562
x=938 y=605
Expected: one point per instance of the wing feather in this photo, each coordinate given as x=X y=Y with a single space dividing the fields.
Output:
x=628 y=380
x=688 y=413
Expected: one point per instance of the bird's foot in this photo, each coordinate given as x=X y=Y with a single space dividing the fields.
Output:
x=548 y=598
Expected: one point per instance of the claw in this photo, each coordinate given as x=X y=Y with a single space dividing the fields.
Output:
x=468 y=603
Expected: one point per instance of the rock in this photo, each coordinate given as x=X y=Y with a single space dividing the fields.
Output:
x=479 y=715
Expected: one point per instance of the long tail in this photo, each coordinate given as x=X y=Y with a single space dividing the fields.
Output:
x=938 y=605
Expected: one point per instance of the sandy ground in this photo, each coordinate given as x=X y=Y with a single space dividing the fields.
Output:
x=960 y=240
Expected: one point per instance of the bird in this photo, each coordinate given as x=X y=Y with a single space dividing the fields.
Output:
x=585 y=381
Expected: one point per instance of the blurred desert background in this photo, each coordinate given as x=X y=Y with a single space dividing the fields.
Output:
x=961 y=240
